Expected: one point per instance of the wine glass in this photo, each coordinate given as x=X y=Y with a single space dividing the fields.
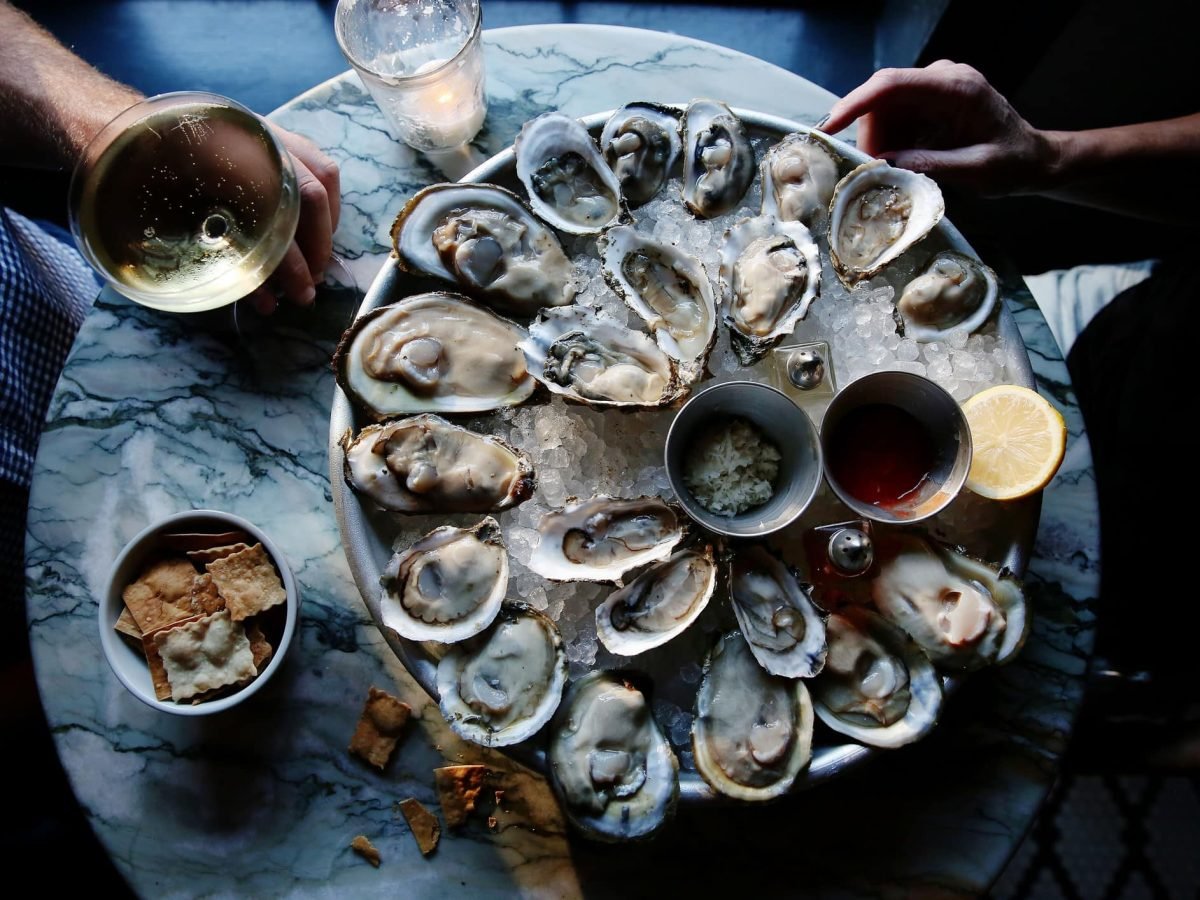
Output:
x=184 y=202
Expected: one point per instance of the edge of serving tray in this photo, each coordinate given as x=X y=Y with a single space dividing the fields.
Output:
x=366 y=555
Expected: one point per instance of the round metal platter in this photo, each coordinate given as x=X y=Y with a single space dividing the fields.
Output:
x=367 y=533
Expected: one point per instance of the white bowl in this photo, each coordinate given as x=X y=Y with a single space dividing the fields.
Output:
x=129 y=665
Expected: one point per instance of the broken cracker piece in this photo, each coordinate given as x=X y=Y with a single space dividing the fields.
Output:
x=204 y=597
x=260 y=647
x=379 y=727
x=209 y=554
x=458 y=790
x=126 y=625
x=204 y=655
x=364 y=848
x=424 y=825
x=248 y=582
x=160 y=594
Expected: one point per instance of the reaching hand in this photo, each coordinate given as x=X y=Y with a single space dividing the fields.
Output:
x=318 y=181
x=946 y=120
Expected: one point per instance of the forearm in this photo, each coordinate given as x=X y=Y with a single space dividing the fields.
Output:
x=51 y=102
x=1116 y=168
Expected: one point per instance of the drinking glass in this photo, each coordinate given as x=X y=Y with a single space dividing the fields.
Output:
x=184 y=202
x=423 y=64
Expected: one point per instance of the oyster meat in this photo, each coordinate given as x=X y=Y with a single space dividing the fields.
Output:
x=424 y=464
x=718 y=161
x=668 y=289
x=777 y=616
x=877 y=686
x=657 y=605
x=432 y=353
x=603 y=538
x=598 y=361
x=641 y=144
x=876 y=214
x=954 y=291
x=961 y=612
x=753 y=731
x=502 y=686
x=569 y=183
x=489 y=243
x=798 y=177
x=448 y=585
x=609 y=764
x=770 y=276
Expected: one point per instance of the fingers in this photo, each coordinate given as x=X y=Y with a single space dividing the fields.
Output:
x=294 y=278
x=318 y=182
x=891 y=86
x=263 y=300
x=865 y=97
x=973 y=166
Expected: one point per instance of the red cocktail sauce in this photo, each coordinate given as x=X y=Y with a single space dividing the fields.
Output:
x=880 y=454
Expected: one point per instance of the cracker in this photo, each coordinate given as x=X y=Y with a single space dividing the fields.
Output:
x=260 y=647
x=366 y=850
x=126 y=625
x=383 y=718
x=160 y=594
x=206 y=654
x=205 y=598
x=158 y=672
x=210 y=554
x=248 y=582
x=458 y=790
x=423 y=823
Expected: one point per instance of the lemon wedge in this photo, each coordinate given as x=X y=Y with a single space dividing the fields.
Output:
x=1018 y=442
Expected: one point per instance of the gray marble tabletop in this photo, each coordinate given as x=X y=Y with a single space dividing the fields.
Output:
x=157 y=413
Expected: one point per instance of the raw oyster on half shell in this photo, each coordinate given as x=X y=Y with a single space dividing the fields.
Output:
x=448 y=585
x=753 y=731
x=609 y=764
x=798 y=177
x=877 y=686
x=596 y=360
x=502 y=686
x=659 y=604
x=641 y=144
x=782 y=625
x=424 y=464
x=718 y=161
x=602 y=538
x=485 y=240
x=668 y=289
x=770 y=276
x=432 y=352
x=961 y=612
x=954 y=291
x=876 y=214
x=570 y=185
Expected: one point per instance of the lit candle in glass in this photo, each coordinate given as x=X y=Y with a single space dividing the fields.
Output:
x=423 y=64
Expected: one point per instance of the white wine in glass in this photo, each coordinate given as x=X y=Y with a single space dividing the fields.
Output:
x=184 y=202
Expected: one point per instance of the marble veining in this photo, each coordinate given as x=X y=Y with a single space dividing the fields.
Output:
x=156 y=414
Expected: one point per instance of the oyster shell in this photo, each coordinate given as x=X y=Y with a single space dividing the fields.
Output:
x=603 y=538
x=718 y=161
x=485 y=240
x=877 y=213
x=954 y=291
x=570 y=185
x=657 y=605
x=798 y=177
x=425 y=464
x=501 y=687
x=641 y=145
x=448 y=585
x=776 y=614
x=598 y=361
x=669 y=290
x=770 y=276
x=877 y=686
x=753 y=731
x=610 y=766
x=432 y=352
x=961 y=612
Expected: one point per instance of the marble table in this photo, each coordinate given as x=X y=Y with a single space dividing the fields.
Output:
x=156 y=414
